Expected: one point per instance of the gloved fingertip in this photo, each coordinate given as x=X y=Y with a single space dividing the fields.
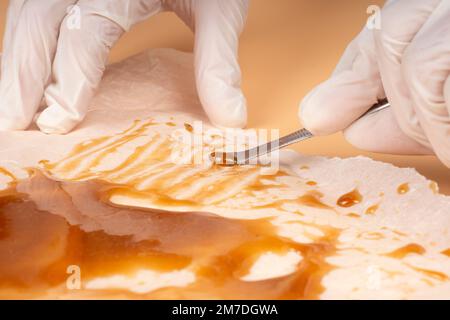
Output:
x=53 y=120
x=229 y=116
x=312 y=117
x=360 y=140
x=225 y=105
x=380 y=133
x=13 y=121
x=12 y=125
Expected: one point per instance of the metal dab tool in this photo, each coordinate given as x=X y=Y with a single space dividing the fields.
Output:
x=244 y=157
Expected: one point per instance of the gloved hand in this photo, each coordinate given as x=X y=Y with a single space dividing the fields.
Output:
x=46 y=54
x=407 y=60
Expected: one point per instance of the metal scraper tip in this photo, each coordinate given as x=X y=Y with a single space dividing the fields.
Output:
x=224 y=158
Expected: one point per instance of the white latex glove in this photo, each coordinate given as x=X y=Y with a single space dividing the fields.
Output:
x=407 y=60
x=44 y=55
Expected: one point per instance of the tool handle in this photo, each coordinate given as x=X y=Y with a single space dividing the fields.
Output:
x=297 y=136
x=304 y=134
x=381 y=105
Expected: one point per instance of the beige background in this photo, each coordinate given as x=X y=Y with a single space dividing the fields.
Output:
x=288 y=47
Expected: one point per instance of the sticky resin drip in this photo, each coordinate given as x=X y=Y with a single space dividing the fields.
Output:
x=402 y=252
x=66 y=217
x=372 y=209
x=48 y=225
x=189 y=127
x=350 y=199
x=403 y=188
